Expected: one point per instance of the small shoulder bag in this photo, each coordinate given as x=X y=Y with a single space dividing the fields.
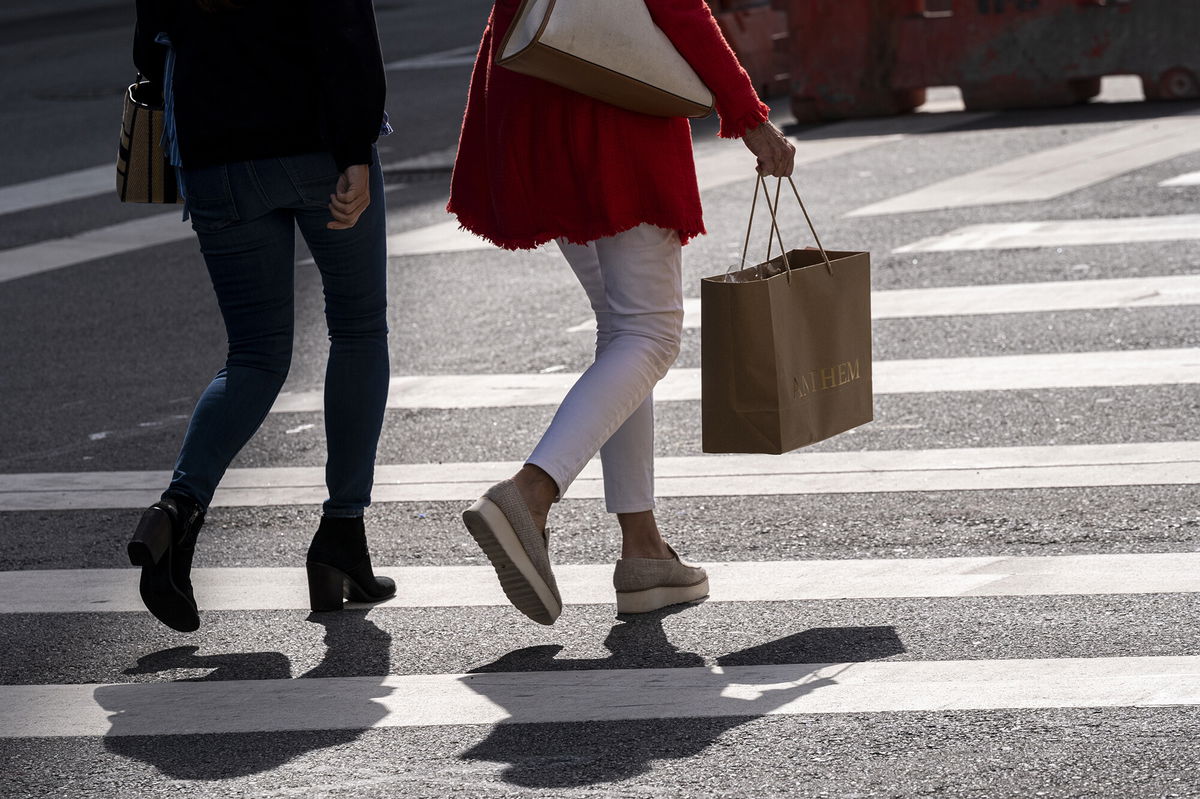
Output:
x=144 y=173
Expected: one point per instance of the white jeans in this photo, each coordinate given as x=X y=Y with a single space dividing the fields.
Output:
x=634 y=283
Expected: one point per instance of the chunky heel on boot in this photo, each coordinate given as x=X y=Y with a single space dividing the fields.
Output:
x=326 y=587
x=163 y=545
x=151 y=538
x=339 y=566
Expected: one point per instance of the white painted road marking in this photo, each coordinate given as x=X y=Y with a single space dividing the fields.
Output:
x=1062 y=233
x=455 y=57
x=1006 y=298
x=1190 y=179
x=716 y=166
x=885 y=471
x=1051 y=173
x=1073 y=295
x=917 y=376
x=443 y=237
x=731 y=162
x=541 y=697
x=240 y=589
x=59 y=188
x=103 y=242
x=942 y=99
x=728 y=164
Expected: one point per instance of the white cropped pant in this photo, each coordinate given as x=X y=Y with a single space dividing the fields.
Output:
x=634 y=283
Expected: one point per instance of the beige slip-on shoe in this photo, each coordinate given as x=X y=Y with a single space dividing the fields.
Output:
x=646 y=584
x=502 y=526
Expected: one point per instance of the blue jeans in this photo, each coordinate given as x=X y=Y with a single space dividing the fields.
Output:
x=245 y=215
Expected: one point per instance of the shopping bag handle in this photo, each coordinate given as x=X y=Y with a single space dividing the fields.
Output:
x=776 y=231
x=776 y=234
x=775 y=222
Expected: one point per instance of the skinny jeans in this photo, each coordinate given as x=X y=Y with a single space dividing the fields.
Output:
x=245 y=215
x=633 y=281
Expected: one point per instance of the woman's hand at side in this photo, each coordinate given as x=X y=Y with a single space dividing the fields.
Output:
x=352 y=198
x=776 y=155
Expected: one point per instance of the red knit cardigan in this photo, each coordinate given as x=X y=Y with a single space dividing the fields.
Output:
x=537 y=162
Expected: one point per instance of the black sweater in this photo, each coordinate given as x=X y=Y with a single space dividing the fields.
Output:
x=268 y=79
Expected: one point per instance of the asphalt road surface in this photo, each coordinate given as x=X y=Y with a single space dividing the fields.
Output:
x=989 y=591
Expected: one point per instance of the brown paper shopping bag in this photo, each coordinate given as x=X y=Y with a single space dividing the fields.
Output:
x=786 y=347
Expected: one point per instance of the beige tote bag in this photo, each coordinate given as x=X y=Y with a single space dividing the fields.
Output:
x=607 y=49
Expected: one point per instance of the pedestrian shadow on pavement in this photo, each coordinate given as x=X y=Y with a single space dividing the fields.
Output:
x=570 y=754
x=354 y=647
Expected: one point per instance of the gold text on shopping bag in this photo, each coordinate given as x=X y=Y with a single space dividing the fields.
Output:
x=825 y=378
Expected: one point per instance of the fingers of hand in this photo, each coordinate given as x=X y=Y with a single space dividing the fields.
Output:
x=343 y=221
x=348 y=187
x=345 y=206
x=345 y=215
x=349 y=203
x=773 y=166
x=352 y=181
x=776 y=155
x=783 y=158
x=352 y=197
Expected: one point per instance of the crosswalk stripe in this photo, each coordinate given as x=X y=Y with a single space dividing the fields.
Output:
x=1138 y=292
x=1051 y=173
x=242 y=589
x=1189 y=179
x=455 y=57
x=1009 y=298
x=59 y=188
x=442 y=237
x=1062 y=233
x=715 y=167
x=726 y=164
x=102 y=242
x=882 y=471
x=539 y=697
x=916 y=376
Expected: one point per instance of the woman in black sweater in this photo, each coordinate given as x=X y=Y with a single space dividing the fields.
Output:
x=277 y=105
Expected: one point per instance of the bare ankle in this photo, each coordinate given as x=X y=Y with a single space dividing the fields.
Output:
x=539 y=491
x=656 y=550
x=640 y=537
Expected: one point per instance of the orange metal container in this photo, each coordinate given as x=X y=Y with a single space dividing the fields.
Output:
x=758 y=35
x=854 y=58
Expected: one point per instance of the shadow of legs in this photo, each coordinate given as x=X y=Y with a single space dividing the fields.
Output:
x=575 y=754
x=354 y=646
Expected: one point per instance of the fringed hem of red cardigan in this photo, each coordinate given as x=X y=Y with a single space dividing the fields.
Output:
x=475 y=227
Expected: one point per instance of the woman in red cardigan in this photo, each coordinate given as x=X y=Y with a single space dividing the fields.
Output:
x=616 y=190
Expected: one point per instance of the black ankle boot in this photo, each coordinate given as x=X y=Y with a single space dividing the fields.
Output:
x=163 y=545
x=339 y=566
